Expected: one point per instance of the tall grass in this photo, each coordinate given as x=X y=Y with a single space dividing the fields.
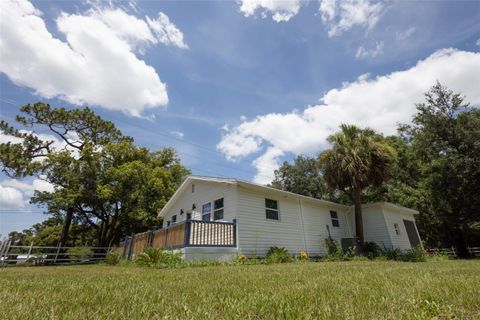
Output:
x=336 y=290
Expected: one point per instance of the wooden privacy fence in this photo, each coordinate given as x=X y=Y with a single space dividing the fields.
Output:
x=189 y=233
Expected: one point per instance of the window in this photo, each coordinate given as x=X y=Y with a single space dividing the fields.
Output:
x=335 y=221
x=193 y=188
x=271 y=209
x=182 y=212
x=168 y=223
x=206 y=211
x=397 y=228
x=218 y=209
x=174 y=218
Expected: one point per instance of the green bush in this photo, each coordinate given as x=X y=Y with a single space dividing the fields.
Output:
x=158 y=258
x=335 y=253
x=79 y=254
x=113 y=258
x=278 y=255
x=392 y=254
x=416 y=254
x=332 y=246
x=371 y=250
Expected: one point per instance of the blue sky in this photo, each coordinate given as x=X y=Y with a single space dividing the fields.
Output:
x=235 y=87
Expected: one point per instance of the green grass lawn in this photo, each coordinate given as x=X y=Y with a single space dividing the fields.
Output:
x=328 y=290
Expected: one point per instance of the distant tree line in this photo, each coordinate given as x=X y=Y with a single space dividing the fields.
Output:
x=432 y=165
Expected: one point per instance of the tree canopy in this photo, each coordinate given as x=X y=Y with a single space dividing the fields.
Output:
x=100 y=177
x=359 y=158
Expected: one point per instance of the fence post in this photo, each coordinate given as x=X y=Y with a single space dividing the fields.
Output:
x=166 y=238
x=130 y=248
x=125 y=244
x=29 y=250
x=235 y=232
x=186 y=241
x=58 y=251
x=4 y=252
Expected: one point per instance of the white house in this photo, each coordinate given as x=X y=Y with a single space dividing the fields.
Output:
x=220 y=218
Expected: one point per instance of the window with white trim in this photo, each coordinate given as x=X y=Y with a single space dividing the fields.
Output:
x=218 y=209
x=271 y=209
x=397 y=229
x=335 y=220
x=174 y=219
x=168 y=223
x=206 y=211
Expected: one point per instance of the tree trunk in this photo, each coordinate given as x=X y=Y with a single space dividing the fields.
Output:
x=66 y=227
x=357 y=200
x=460 y=244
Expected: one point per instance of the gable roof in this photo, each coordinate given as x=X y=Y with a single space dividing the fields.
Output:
x=261 y=188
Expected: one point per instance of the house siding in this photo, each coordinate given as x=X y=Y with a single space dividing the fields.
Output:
x=204 y=192
x=256 y=234
x=302 y=224
x=316 y=218
x=391 y=217
x=374 y=226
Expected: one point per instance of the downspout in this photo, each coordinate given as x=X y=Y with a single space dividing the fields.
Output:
x=303 y=225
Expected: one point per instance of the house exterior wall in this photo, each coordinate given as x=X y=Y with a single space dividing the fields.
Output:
x=256 y=233
x=316 y=218
x=379 y=225
x=374 y=226
x=301 y=224
x=393 y=217
x=204 y=192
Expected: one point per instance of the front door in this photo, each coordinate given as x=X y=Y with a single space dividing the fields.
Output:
x=412 y=233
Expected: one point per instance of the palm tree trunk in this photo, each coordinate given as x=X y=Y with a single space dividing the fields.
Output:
x=357 y=200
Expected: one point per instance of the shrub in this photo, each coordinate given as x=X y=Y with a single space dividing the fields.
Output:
x=416 y=254
x=371 y=250
x=241 y=259
x=303 y=256
x=157 y=258
x=332 y=246
x=335 y=253
x=278 y=255
x=79 y=254
x=112 y=258
x=392 y=254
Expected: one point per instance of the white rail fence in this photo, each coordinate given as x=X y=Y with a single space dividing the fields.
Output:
x=11 y=254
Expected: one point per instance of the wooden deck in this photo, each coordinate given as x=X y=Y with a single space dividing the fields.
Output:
x=190 y=233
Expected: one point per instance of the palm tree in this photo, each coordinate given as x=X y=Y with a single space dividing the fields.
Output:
x=359 y=158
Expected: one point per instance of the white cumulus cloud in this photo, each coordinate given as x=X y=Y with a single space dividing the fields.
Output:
x=10 y=198
x=281 y=11
x=340 y=16
x=166 y=32
x=96 y=65
x=380 y=103
x=28 y=188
